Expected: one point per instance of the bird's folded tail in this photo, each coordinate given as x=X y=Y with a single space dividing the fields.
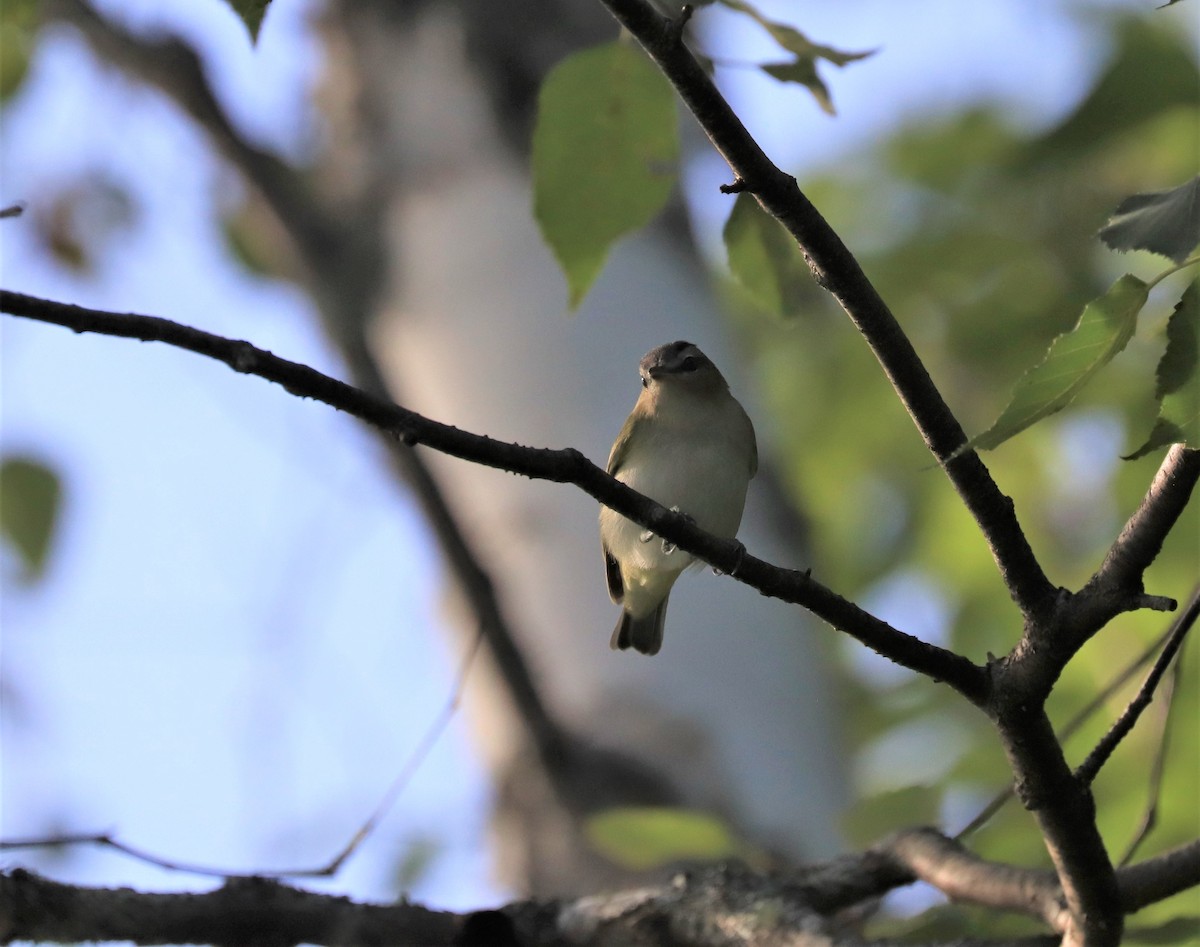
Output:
x=643 y=634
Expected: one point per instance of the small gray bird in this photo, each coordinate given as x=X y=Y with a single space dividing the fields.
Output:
x=689 y=445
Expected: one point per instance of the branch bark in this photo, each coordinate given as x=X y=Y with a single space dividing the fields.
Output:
x=712 y=906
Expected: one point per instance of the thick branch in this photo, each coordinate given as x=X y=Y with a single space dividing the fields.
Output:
x=962 y=876
x=1066 y=815
x=1159 y=878
x=562 y=466
x=1143 y=536
x=246 y=911
x=836 y=269
x=719 y=905
x=1061 y=800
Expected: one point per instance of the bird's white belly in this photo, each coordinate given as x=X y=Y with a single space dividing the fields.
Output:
x=700 y=482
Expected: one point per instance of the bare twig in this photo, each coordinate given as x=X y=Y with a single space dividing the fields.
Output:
x=328 y=869
x=410 y=767
x=1087 y=770
x=563 y=466
x=835 y=268
x=1159 y=764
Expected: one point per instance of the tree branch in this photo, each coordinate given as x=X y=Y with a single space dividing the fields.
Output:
x=1088 y=769
x=1066 y=815
x=1061 y=801
x=962 y=876
x=836 y=269
x=562 y=466
x=722 y=905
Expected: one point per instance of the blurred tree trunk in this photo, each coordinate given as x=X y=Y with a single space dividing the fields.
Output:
x=429 y=108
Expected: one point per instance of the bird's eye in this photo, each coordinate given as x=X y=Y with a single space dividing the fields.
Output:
x=645 y=382
x=689 y=364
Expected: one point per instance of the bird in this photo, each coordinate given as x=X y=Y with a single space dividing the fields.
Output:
x=689 y=445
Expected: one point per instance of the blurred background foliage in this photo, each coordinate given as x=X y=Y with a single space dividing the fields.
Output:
x=981 y=237
x=980 y=234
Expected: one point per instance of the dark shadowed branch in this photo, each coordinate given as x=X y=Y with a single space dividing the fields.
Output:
x=714 y=906
x=1088 y=769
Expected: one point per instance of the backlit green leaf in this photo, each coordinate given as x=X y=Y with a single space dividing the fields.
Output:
x=642 y=837
x=1103 y=330
x=18 y=24
x=251 y=13
x=30 y=497
x=763 y=257
x=1178 y=385
x=605 y=155
x=802 y=68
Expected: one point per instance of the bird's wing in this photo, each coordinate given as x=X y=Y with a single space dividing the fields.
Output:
x=616 y=457
x=612 y=574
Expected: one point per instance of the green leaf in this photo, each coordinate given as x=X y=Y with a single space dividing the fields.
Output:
x=416 y=858
x=1163 y=222
x=605 y=155
x=1178 y=387
x=18 y=23
x=803 y=68
x=802 y=72
x=1103 y=330
x=251 y=13
x=30 y=498
x=763 y=257
x=643 y=837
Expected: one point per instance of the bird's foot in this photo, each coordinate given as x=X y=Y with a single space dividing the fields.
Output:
x=667 y=546
x=741 y=554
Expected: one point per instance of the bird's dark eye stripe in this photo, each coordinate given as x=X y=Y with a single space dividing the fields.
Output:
x=689 y=364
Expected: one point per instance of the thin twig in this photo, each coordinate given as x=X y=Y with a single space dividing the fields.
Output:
x=1087 y=770
x=411 y=765
x=1159 y=765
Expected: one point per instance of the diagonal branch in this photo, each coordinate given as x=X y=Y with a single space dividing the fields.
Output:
x=1087 y=770
x=836 y=269
x=562 y=466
